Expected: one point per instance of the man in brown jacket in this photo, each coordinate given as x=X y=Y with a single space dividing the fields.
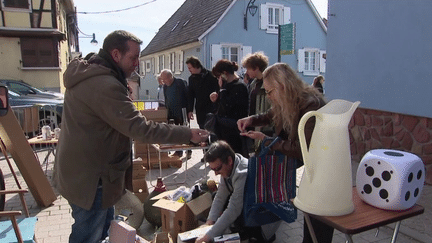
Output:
x=93 y=162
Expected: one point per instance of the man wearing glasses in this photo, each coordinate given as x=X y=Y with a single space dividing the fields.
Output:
x=227 y=207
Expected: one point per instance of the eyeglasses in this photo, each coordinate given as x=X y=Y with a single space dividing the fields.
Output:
x=267 y=92
x=218 y=168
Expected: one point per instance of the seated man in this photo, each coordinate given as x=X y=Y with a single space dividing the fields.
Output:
x=226 y=210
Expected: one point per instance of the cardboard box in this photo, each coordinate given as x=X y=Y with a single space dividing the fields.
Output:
x=139 y=170
x=120 y=232
x=191 y=235
x=180 y=217
x=230 y=238
x=140 y=189
x=163 y=237
x=157 y=115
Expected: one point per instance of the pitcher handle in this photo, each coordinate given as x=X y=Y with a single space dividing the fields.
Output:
x=304 y=149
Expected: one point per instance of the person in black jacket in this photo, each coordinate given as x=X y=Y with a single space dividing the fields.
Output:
x=201 y=84
x=233 y=104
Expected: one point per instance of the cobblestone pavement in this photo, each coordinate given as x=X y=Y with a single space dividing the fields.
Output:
x=54 y=222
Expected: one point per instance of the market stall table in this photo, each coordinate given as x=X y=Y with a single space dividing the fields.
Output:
x=160 y=148
x=364 y=217
x=50 y=143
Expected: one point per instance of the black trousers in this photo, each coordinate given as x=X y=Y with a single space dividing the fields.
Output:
x=323 y=232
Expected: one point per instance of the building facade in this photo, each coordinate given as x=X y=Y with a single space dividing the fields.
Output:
x=231 y=29
x=37 y=41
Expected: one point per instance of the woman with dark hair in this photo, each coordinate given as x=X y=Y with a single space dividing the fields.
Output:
x=232 y=102
x=290 y=99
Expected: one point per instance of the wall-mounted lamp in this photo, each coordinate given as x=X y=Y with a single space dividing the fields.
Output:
x=252 y=9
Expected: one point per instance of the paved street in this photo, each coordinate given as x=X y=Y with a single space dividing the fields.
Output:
x=54 y=222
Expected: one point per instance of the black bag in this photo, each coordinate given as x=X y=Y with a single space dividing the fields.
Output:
x=210 y=122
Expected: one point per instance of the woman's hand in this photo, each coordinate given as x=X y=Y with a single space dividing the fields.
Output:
x=243 y=123
x=220 y=81
x=254 y=135
x=213 y=97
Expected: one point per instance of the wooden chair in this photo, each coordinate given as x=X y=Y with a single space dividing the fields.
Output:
x=23 y=228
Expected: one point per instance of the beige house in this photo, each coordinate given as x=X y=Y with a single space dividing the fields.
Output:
x=38 y=38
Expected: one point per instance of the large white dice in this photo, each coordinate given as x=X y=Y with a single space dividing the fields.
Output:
x=390 y=179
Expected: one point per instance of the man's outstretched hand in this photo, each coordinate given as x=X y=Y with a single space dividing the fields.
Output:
x=199 y=135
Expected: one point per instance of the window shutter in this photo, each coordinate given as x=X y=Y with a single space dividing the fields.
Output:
x=301 y=59
x=246 y=50
x=180 y=61
x=263 y=16
x=322 y=63
x=39 y=52
x=156 y=65
x=169 y=63
x=216 y=54
x=163 y=62
x=153 y=69
x=287 y=15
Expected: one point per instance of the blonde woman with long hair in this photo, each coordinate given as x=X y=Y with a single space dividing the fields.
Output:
x=290 y=99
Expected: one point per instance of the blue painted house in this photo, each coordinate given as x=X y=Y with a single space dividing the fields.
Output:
x=212 y=30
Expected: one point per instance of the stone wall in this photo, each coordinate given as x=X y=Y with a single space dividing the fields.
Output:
x=374 y=129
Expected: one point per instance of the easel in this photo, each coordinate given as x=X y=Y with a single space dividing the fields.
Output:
x=16 y=144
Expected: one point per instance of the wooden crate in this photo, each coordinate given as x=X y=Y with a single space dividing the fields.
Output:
x=139 y=169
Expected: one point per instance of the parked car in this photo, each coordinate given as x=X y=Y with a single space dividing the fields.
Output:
x=23 y=95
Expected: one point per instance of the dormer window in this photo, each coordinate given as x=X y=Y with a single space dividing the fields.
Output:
x=175 y=26
x=16 y=5
x=185 y=23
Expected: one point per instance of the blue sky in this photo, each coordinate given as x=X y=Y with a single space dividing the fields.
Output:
x=143 y=21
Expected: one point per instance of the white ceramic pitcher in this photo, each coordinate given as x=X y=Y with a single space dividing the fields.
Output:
x=326 y=185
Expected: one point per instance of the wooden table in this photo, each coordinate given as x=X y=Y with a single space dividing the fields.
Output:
x=364 y=217
x=50 y=143
x=171 y=148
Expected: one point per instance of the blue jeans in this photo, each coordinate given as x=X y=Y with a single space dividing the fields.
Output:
x=91 y=226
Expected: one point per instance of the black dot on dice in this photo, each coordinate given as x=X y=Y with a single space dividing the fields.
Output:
x=419 y=174
x=386 y=175
x=383 y=193
x=410 y=177
x=416 y=192
x=369 y=171
x=376 y=182
x=367 y=188
x=407 y=195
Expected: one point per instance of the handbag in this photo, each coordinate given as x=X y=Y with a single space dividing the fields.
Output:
x=270 y=185
x=210 y=122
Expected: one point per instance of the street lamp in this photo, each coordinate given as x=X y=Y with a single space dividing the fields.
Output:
x=93 y=41
x=252 y=9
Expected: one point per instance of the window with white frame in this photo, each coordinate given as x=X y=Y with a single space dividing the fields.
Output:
x=172 y=62
x=16 y=5
x=232 y=52
x=272 y=15
x=161 y=63
x=148 y=66
x=311 y=61
x=180 y=61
